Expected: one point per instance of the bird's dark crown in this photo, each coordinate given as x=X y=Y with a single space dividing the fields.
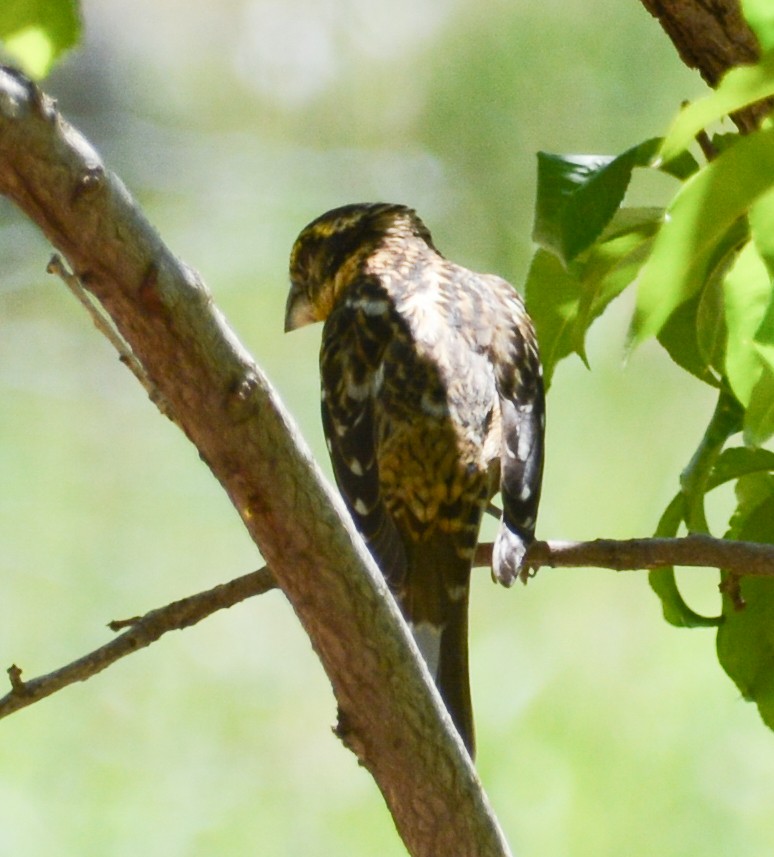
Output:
x=348 y=235
x=364 y=222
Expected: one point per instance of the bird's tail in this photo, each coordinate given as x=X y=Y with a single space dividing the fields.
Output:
x=434 y=601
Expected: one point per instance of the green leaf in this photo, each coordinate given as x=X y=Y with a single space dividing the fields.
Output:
x=578 y=195
x=759 y=416
x=711 y=330
x=764 y=336
x=759 y=14
x=746 y=295
x=695 y=334
x=739 y=461
x=722 y=141
x=679 y=337
x=564 y=302
x=741 y=86
x=682 y=166
x=701 y=229
x=761 y=219
x=614 y=261
x=552 y=297
x=752 y=491
x=644 y=221
x=37 y=32
x=745 y=641
x=662 y=580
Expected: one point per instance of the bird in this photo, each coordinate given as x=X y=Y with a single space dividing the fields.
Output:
x=432 y=403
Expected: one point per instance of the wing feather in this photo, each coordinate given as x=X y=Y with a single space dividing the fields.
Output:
x=522 y=406
x=355 y=337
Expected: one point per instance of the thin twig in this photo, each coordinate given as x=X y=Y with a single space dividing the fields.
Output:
x=739 y=558
x=105 y=326
x=142 y=632
x=743 y=559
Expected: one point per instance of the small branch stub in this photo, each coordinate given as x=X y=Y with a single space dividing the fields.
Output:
x=15 y=675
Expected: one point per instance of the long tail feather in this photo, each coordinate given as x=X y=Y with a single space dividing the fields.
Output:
x=434 y=600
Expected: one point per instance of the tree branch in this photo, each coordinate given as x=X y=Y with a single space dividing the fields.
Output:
x=711 y=37
x=741 y=559
x=390 y=714
x=142 y=632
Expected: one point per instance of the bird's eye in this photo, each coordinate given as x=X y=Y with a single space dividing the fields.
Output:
x=301 y=268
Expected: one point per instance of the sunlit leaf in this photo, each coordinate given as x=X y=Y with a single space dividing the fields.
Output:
x=764 y=335
x=745 y=642
x=705 y=214
x=633 y=221
x=741 y=86
x=761 y=219
x=553 y=297
x=739 y=461
x=578 y=195
x=746 y=295
x=759 y=416
x=759 y=14
x=564 y=302
x=613 y=262
x=37 y=32
x=711 y=330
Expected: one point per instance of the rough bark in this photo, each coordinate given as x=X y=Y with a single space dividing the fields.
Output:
x=712 y=37
x=390 y=716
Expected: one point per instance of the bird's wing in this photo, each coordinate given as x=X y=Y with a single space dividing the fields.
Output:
x=518 y=377
x=354 y=340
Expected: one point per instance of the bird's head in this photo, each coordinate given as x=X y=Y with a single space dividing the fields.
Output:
x=332 y=250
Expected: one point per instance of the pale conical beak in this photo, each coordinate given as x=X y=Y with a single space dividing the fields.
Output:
x=298 y=310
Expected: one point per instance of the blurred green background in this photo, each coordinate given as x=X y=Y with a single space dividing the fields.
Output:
x=601 y=730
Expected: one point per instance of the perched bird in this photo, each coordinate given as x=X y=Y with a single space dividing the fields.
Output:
x=432 y=402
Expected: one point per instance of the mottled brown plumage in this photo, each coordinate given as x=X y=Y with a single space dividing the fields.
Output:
x=432 y=403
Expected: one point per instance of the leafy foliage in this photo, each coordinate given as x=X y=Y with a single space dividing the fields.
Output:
x=760 y=16
x=37 y=32
x=703 y=268
x=746 y=638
